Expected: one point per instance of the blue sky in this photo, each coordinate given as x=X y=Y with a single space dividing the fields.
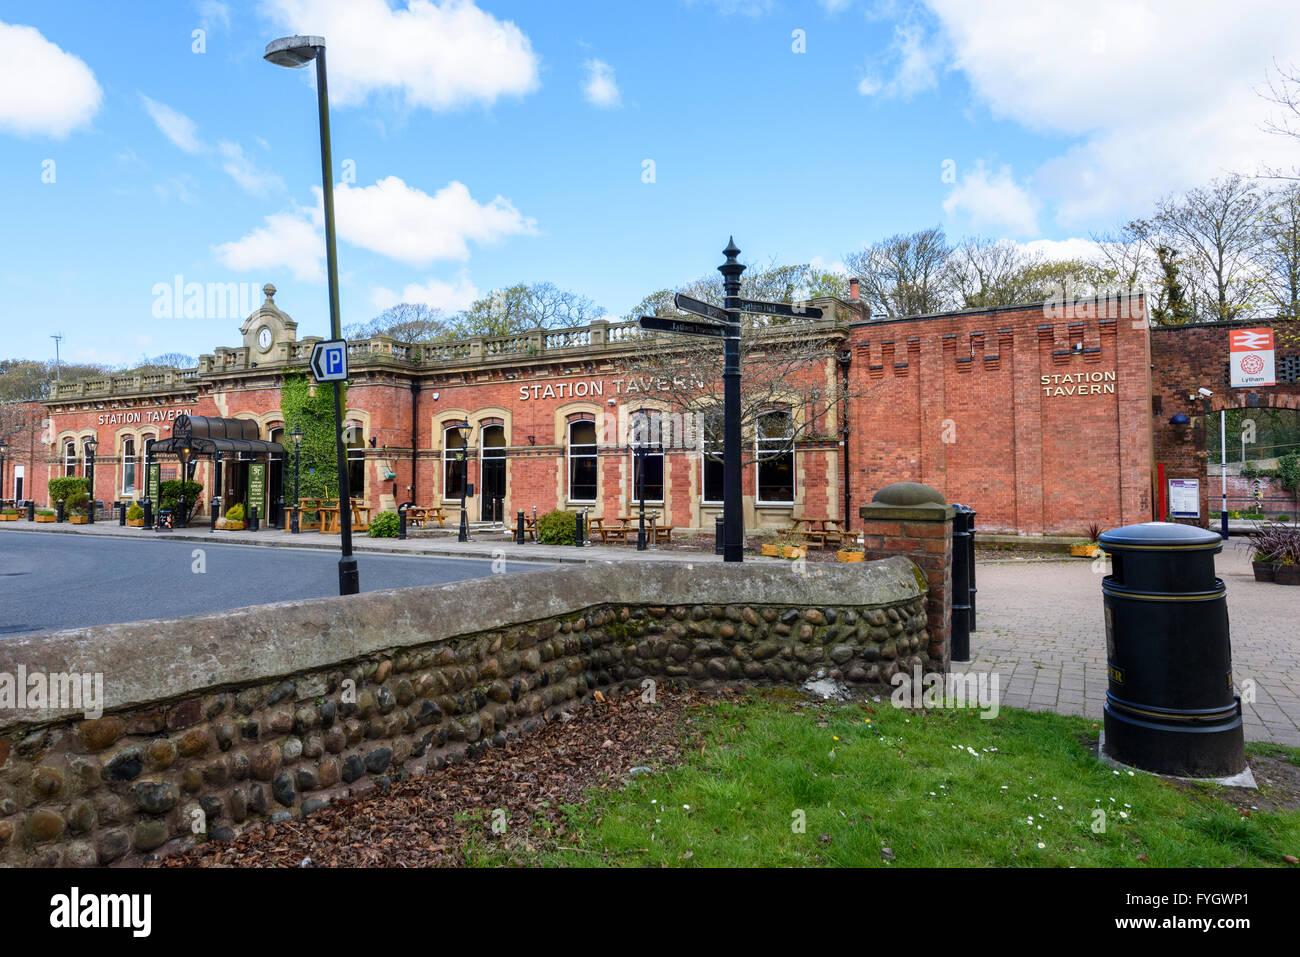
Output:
x=480 y=144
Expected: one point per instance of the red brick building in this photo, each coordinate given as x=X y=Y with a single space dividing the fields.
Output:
x=1045 y=418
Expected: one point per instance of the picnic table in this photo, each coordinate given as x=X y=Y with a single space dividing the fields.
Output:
x=608 y=533
x=421 y=515
x=822 y=532
x=657 y=532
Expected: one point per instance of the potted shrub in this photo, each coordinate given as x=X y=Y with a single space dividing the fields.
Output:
x=851 y=551
x=1264 y=541
x=1087 y=548
x=135 y=516
x=790 y=550
x=384 y=525
x=1286 y=556
x=77 y=505
x=45 y=515
x=234 y=518
x=772 y=549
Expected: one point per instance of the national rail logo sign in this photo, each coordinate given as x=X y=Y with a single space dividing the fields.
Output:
x=1250 y=354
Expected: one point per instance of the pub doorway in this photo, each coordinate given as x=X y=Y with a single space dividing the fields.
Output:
x=492 y=466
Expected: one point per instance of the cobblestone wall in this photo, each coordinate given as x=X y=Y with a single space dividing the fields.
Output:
x=155 y=775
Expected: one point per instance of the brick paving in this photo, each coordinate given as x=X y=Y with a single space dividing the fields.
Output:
x=1040 y=628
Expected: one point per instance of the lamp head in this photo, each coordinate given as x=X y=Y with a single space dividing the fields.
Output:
x=91 y=445
x=293 y=52
x=296 y=435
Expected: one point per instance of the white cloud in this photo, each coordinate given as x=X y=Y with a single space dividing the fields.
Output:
x=174 y=125
x=407 y=224
x=288 y=240
x=180 y=188
x=447 y=296
x=1159 y=95
x=917 y=57
x=244 y=172
x=600 y=88
x=993 y=200
x=213 y=13
x=440 y=56
x=44 y=90
x=1057 y=249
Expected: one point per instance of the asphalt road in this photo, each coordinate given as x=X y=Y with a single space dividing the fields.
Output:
x=49 y=582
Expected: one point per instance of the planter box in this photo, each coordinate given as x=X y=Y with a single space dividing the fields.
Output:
x=9 y=518
x=135 y=523
x=232 y=526
x=772 y=551
x=78 y=519
x=1085 y=551
x=843 y=556
x=46 y=518
x=1286 y=574
x=1263 y=571
x=794 y=551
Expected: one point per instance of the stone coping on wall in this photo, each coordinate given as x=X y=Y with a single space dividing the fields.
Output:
x=149 y=662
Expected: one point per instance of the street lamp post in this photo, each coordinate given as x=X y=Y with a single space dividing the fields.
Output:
x=90 y=446
x=296 y=52
x=296 y=435
x=184 y=455
x=463 y=430
x=733 y=539
x=3 y=447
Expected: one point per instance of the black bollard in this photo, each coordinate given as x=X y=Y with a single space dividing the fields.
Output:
x=148 y=513
x=401 y=522
x=970 y=569
x=58 y=511
x=31 y=510
x=960 y=621
x=719 y=529
x=121 y=513
x=252 y=519
x=519 y=528
x=577 y=529
x=216 y=509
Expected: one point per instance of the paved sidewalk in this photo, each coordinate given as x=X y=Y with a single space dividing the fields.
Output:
x=487 y=543
x=1041 y=629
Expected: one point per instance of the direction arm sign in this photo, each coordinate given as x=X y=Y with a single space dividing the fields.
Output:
x=329 y=360
x=682 y=326
x=705 y=309
x=793 y=310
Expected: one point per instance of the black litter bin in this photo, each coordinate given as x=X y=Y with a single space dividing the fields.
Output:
x=1170 y=706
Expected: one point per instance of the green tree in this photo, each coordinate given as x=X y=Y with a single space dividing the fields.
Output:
x=1171 y=307
x=310 y=408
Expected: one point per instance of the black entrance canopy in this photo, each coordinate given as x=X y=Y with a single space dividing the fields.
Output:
x=206 y=435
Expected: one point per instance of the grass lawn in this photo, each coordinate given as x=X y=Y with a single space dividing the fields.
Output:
x=775 y=781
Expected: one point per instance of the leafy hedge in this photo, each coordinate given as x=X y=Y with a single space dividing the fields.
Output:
x=557 y=528
x=170 y=493
x=235 y=513
x=384 y=525
x=60 y=488
x=77 y=503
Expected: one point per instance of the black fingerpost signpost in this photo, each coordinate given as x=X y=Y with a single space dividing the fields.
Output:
x=726 y=326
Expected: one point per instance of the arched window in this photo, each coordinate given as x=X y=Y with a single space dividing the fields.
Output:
x=70 y=458
x=582 y=460
x=454 y=464
x=775 y=448
x=128 y=466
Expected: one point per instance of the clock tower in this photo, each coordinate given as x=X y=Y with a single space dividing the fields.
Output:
x=267 y=328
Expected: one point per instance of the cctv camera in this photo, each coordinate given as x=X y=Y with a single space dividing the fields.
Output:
x=1204 y=391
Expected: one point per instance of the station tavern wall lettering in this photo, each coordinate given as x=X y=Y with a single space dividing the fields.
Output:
x=1078 y=383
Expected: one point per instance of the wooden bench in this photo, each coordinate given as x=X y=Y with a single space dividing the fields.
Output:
x=420 y=515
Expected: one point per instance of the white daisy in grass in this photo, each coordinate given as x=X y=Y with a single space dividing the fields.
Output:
x=1130 y=774
x=1029 y=821
x=1004 y=787
x=1041 y=845
x=1123 y=814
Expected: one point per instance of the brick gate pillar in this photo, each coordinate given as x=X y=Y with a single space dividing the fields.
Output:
x=915 y=521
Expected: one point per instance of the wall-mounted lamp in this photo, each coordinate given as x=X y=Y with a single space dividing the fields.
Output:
x=613 y=401
x=435 y=397
x=532 y=440
x=1179 y=419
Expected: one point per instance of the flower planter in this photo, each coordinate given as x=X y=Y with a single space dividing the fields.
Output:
x=232 y=526
x=77 y=519
x=794 y=551
x=843 y=556
x=1286 y=574
x=9 y=518
x=1263 y=571
x=46 y=518
x=772 y=551
x=135 y=523
x=1085 y=551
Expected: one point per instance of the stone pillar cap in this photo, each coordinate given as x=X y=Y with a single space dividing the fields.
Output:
x=909 y=495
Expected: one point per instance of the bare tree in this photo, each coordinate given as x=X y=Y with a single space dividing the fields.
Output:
x=1216 y=231
x=1284 y=91
x=984 y=272
x=406 y=322
x=1130 y=253
x=904 y=275
x=1279 y=253
x=524 y=306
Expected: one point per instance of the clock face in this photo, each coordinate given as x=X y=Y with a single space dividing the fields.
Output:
x=264 y=338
